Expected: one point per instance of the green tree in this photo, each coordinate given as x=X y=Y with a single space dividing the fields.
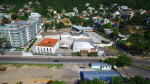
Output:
x=122 y=24
x=114 y=35
x=5 y=21
x=111 y=61
x=108 y=15
x=94 y=81
x=52 y=13
x=46 y=26
x=26 y=14
x=109 y=25
x=139 y=19
x=85 y=23
x=140 y=80
x=60 y=25
x=76 y=20
x=101 y=28
x=52 y=25
x=14 y=16
x=147 y=34
x=124 y=60
x=23 y=18
x=117 y=80
x=137 y=42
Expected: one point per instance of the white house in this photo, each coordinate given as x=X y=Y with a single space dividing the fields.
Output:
x=47 y=46
x=103 y=66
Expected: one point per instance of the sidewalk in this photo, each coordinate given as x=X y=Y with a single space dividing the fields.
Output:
x=61 y=57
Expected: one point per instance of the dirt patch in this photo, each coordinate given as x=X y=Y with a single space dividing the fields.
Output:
x=28 y=74
x=3 y=68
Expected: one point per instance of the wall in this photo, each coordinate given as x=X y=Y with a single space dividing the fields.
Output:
x=103 y=45
x=79 y=37
x=95 y=67
x=53 y=36
x=105 y=67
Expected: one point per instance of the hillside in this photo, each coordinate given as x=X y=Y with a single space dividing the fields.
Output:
x=80 y=4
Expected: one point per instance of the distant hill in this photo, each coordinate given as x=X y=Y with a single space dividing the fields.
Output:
x=80 y=4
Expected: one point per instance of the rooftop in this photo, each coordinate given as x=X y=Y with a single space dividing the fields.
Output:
x=99 y=64
x=106 y=75
x=17 y=23
x=83 y=45
x=48 y=42
x=96 y=38
x=82 y=28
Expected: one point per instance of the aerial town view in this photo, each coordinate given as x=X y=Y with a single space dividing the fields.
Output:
x=74 y=41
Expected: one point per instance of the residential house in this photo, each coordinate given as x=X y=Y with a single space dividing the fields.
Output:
x=75 y=10
x=87 y=4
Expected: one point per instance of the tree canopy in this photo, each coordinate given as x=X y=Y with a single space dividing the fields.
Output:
x=60 y=25
x=124 y=60
x=14 y=16
x=59 y=5
x=76 y=20
x=111 y=61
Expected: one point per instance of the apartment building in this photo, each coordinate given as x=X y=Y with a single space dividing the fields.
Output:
x=19 y=33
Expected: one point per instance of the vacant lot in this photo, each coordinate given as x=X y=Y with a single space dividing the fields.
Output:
x=28 y=74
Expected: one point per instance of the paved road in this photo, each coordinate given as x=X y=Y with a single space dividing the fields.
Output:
x=134 y=69
x=47 y=59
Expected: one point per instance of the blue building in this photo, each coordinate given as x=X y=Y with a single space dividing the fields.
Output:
x=104 y=75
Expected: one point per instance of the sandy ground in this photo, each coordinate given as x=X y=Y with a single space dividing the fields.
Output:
x=28 y=74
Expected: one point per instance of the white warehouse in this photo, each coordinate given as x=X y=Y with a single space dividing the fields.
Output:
x=83 y=47
x=47 y=46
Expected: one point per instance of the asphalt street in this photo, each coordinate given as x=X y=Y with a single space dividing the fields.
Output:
x=47 y=59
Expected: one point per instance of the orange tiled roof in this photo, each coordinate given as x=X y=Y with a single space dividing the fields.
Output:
x=48 y=42
x=81 y=16
x=114 y=22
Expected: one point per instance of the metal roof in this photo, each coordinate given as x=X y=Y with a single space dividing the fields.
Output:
x=106 y=75
x=82 y=45
x=99 y=64
x=96 y=38
x=82 y=28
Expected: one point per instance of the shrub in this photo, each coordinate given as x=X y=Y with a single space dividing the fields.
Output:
x=92 y=54
x=76 y=54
